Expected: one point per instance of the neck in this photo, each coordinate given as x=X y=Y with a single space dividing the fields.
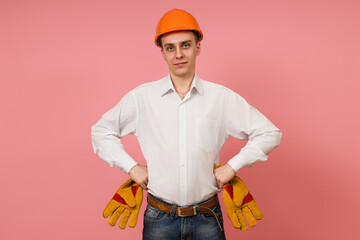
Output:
x=181 y=84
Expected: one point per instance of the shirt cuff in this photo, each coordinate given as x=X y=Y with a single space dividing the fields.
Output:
x=247 y=157
x=126 y=163
x=116 y=156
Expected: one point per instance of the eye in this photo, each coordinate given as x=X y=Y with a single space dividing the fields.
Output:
x=169 y=49
x=186 y=45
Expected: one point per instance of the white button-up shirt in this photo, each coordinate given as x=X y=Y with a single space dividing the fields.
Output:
x=181 y=138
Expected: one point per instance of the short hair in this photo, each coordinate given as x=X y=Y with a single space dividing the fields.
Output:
x=196 y=35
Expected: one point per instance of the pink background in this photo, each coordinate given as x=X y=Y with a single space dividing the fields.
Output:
x=64 y=63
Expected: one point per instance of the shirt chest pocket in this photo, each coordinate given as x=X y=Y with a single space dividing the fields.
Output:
x=206 y=134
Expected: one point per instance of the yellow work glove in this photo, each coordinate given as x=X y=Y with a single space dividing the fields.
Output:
x=240 y=204
x=125 y=203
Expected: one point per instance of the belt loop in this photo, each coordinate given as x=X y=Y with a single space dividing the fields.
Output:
x=173 y=211
x=197 y=210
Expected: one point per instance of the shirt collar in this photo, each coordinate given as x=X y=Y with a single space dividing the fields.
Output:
x=166 y=85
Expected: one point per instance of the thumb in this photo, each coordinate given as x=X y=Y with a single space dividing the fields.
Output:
x=128 y=196
x=240 y=191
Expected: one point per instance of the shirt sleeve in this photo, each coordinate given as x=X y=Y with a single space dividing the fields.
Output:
x=247 y=123
x=113 y=125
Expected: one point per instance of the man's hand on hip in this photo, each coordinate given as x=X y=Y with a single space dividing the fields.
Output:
x=224 y=174
x=140 y=175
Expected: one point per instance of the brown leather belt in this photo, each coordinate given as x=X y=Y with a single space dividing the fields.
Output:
x=187 y=211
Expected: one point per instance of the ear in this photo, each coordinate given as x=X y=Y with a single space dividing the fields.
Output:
x=198 y=48
x=162 y=53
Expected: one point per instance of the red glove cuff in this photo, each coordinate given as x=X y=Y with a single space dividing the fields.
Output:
x=119 y=199
x=248 y=198
x=229 y=190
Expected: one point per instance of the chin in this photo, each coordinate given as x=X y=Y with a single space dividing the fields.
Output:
x=181 y=74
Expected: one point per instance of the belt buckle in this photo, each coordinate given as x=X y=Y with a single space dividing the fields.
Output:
x=179 y=212
x=181 y=215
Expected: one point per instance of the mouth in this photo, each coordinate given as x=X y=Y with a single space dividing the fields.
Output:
x=180 y=64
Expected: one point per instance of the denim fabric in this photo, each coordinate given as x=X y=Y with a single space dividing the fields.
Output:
x=160 y=225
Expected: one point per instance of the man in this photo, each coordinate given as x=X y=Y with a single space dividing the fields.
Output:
x=181 y=123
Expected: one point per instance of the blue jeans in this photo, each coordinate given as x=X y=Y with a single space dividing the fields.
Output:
x=161 y=225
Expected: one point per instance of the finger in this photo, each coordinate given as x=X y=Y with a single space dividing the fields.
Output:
x=255 y=210
x=113 y=219
x=234 y=220
x=133 y=218
x=219 y=184
x=124 y=218
x=110 y=208
x=249 y=216
x=242 y=221
x=143 y=186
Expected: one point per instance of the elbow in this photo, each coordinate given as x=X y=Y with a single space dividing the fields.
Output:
x=93 y=132
x=278 y=138
x=94 y=139
x=272 y=142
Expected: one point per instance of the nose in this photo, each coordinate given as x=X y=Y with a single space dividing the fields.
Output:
x=179 y=54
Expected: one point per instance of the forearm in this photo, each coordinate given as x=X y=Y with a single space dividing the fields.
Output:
x=256 y=150
x=113 y=125
x=108 y=147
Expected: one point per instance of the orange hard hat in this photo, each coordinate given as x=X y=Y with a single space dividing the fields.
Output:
x=175 y=20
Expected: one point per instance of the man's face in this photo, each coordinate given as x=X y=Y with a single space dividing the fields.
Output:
x=180 y=50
